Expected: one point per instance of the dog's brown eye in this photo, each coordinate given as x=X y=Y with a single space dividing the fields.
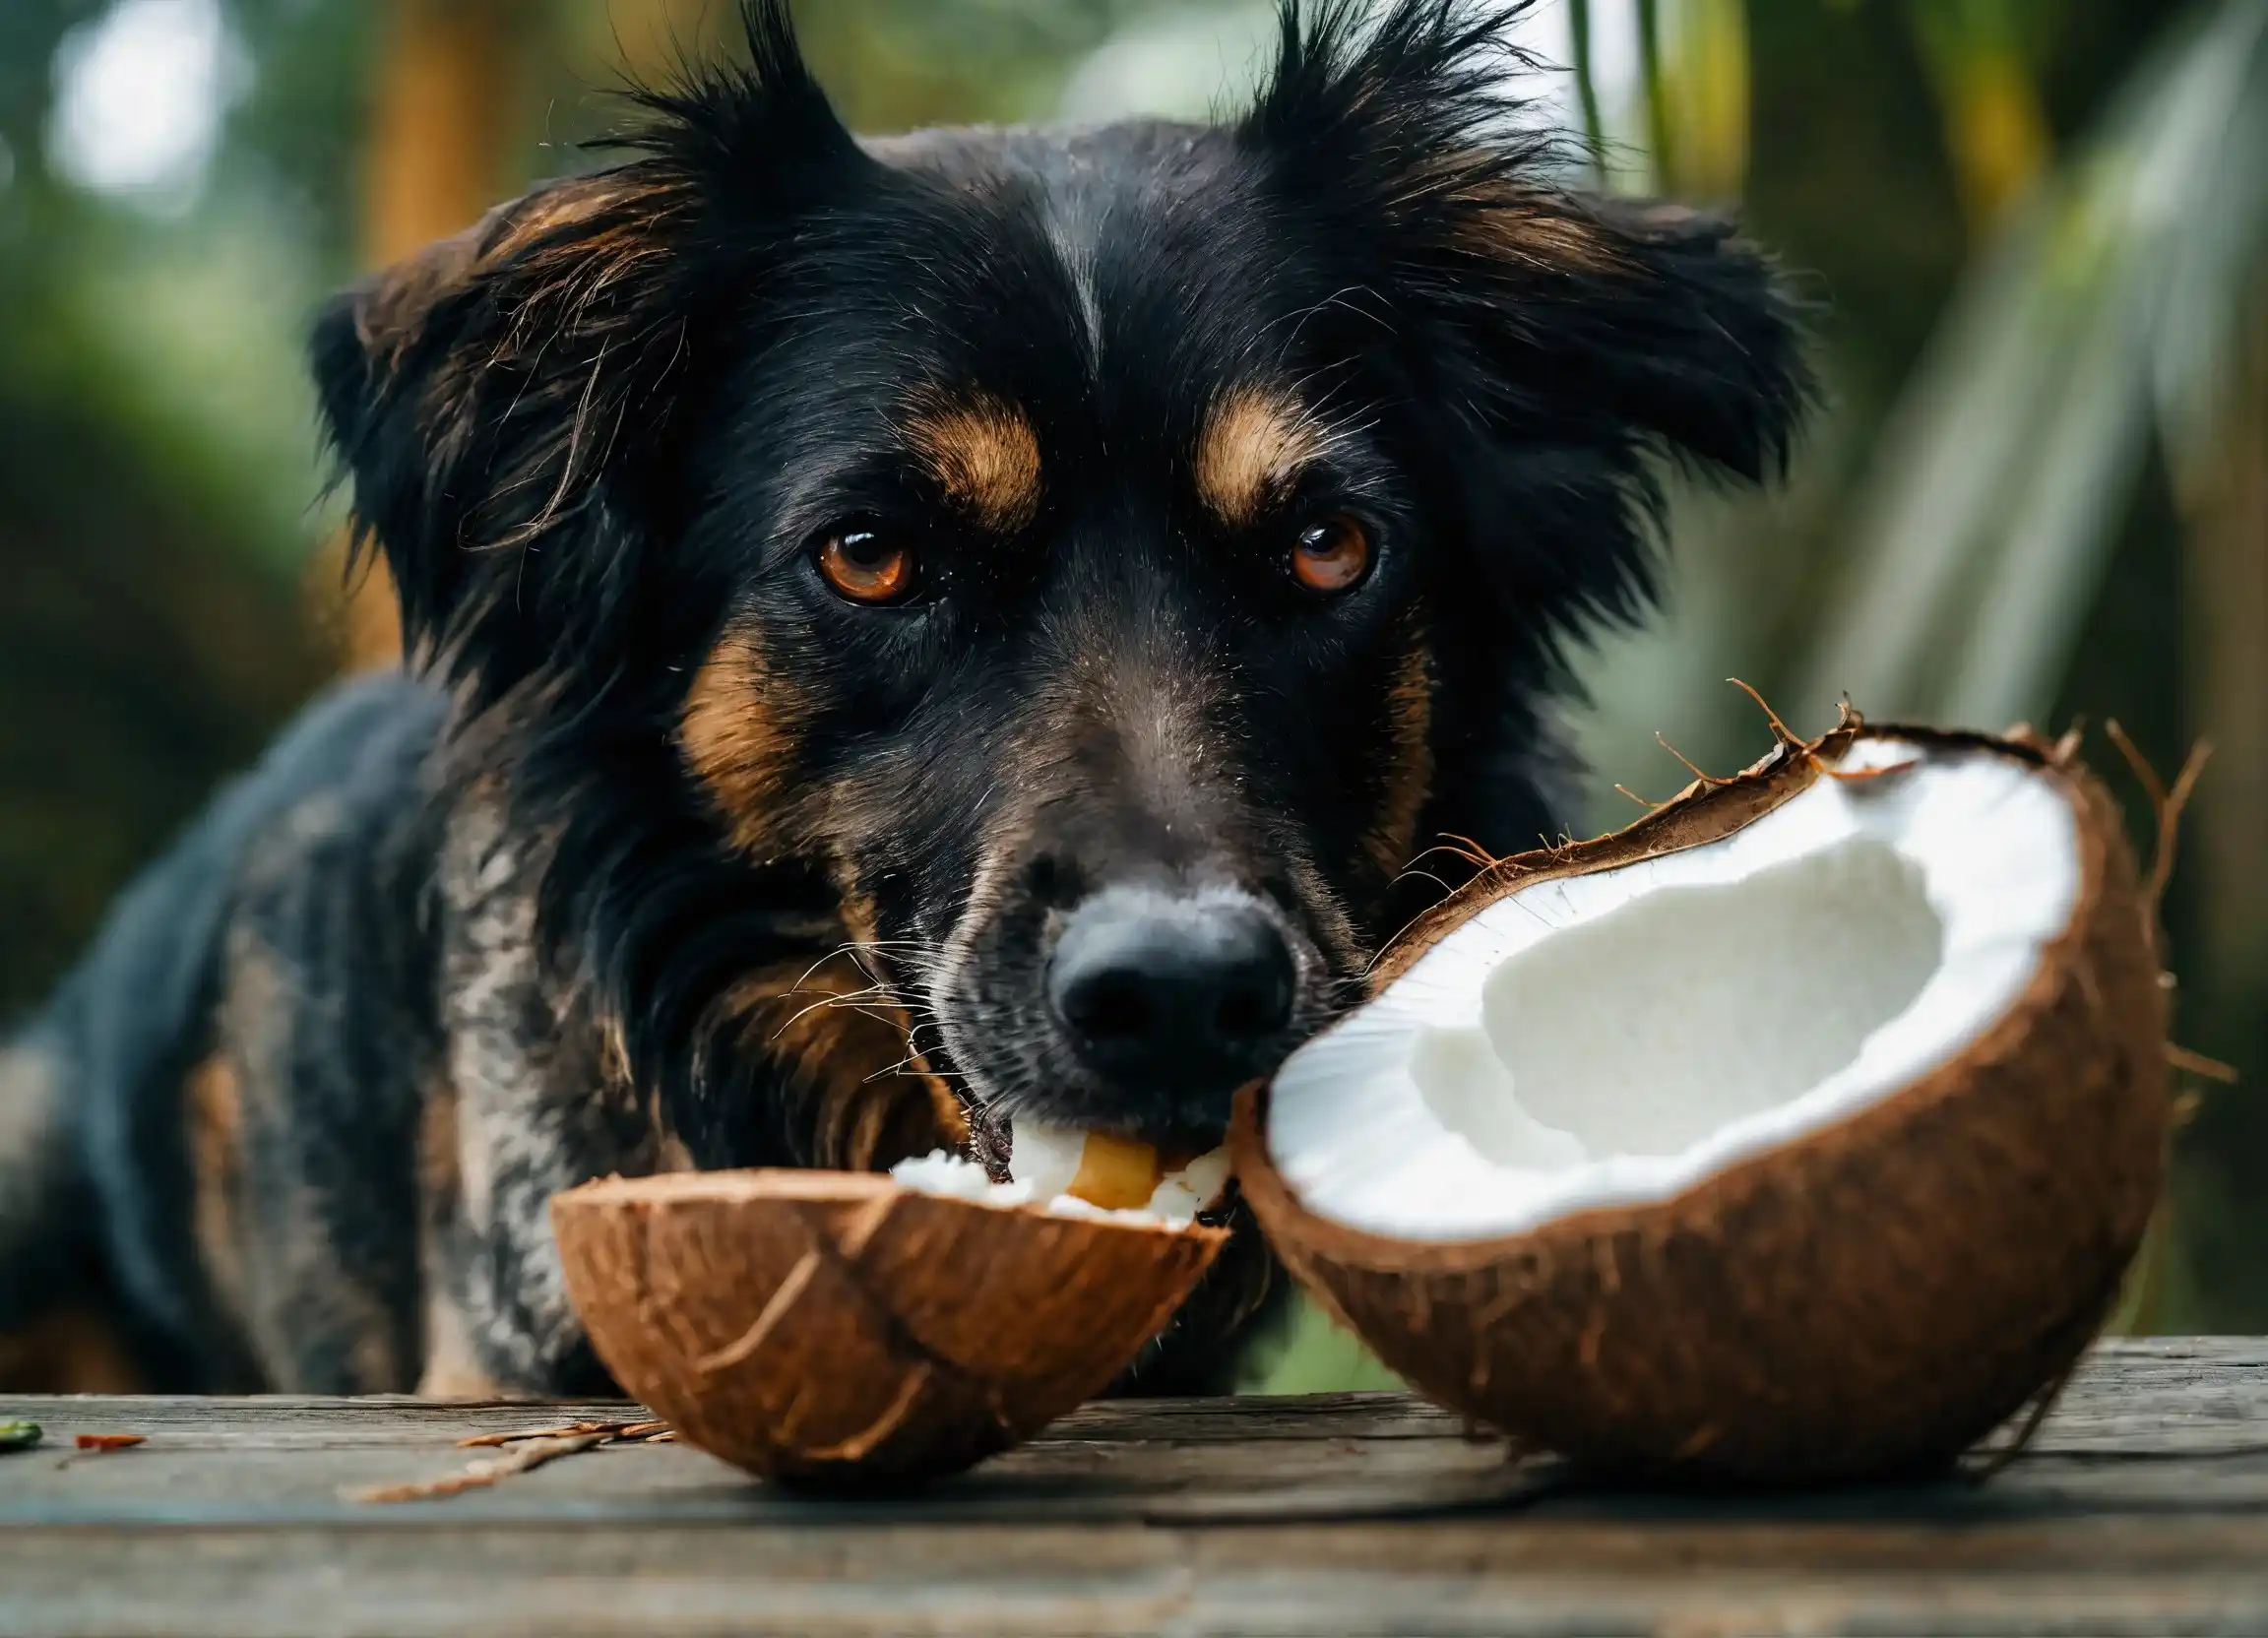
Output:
x=867 y=566
x=1332 y=555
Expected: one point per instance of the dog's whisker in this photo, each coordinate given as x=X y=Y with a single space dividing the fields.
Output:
x=833 y=998
x=802 y=1013
x=849 y=948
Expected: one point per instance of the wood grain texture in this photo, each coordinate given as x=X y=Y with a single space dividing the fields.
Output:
x=2142 y=1508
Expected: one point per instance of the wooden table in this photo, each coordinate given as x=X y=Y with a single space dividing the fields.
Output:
x=2142 y=1507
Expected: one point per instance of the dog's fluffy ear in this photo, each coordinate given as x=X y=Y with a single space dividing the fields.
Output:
x=1574 y=329
x=479 y=392
x=489 y=397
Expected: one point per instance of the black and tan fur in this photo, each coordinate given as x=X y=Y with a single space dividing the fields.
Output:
x=664 y=855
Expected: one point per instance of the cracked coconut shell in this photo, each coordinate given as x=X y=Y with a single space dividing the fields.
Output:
x=1869 y=1299
x=837 y=1329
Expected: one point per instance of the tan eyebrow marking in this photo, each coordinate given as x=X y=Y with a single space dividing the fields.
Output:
x=983 y=454
x=1254 y=442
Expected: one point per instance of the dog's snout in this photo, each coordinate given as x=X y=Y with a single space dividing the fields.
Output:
x=1189 y=992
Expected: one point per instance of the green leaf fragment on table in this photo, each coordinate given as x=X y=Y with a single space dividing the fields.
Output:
x=17 y=1436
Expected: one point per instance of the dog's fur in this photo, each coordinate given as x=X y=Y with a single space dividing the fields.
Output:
x=660 y=854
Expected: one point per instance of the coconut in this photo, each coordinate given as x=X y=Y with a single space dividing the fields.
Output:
x=1802 y=1131
x=849 y=1330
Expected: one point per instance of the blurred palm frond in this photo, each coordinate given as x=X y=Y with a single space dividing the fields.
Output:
x=2106 y=314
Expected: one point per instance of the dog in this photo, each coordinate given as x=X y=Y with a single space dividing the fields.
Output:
x=905 y=635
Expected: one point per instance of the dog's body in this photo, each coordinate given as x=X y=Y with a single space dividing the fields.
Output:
x=909 y=635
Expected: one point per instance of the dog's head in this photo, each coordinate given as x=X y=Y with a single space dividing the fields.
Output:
x=1103 y=558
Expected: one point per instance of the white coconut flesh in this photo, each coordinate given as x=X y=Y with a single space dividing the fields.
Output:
x=1044 y=1161
x=1611 y=1040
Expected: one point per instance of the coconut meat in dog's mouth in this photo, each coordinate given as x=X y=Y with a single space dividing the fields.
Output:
x=1074 y=1173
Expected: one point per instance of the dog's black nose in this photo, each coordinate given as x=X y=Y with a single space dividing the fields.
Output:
x=1189 y=993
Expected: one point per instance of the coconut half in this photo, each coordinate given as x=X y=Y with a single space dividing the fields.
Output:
x=1801 y=1130
x=848 y=1329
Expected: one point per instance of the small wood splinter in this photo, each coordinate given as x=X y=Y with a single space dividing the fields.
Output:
x=522 y=1452
x=523 y=1457
x=573 y=1429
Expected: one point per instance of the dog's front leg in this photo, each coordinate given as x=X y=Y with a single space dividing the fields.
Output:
x=526 y=1110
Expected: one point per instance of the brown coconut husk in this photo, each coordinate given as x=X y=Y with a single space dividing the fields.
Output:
x=836 y=1330
x=1866 y=1301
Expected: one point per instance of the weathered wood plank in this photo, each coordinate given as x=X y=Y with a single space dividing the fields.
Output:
x=2139 y=1389
x=280 y=1422
x=2165 y=1428
x=1221 y=1482
x=2143 y=1507
x=1497 y=1577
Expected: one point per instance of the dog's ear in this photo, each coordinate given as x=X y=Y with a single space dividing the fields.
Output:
x=1572 y=334
x=480 y=393
x=493 y=399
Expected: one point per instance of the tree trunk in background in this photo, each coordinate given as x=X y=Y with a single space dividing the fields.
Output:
x=2225 y=508
x=441 y=112
x=439 y=121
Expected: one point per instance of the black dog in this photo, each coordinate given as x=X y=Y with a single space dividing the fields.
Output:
x=909 y=634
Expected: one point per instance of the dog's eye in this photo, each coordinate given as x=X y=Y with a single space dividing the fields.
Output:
x=1332 y=555
x=866 y=566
